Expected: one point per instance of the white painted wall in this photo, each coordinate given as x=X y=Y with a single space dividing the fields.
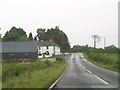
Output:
x=51 y=49
x=57 y=50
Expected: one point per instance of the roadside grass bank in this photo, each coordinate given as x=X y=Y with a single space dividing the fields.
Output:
x=0 y=75
x=39 y=74
x=104 y=60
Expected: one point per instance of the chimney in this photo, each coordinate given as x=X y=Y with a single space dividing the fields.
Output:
x=51 y=40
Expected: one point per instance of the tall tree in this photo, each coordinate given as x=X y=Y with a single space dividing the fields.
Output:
x=55 y=35
x=0 y=35
x=111 y=49
x=15 y=34
x=59 y=37
x=30 y=36
x=35 y=38
x=41 y=34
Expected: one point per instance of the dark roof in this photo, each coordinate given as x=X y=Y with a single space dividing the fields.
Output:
x=47 y=43
x=8 y=47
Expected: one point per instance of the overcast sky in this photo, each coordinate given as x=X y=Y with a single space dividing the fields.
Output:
x=79 y=19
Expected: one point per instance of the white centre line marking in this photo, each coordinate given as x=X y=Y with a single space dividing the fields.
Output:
x=101 y=79
x=95 y=75
x=88 y=71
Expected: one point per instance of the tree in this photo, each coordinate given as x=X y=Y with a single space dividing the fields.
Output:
x=59 y=37
x=15 y=34
x=41 y=34
x=111 y=49
x=78 y=48
x=54 y=35
x=30 y=36
x=0 y=37
x=35 y=38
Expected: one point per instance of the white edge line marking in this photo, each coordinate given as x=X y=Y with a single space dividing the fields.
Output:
x=88 y=71
x=83 y=66
x=101 y=79
x=50 y=88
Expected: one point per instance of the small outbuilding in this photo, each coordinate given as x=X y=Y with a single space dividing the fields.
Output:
x=19 y=50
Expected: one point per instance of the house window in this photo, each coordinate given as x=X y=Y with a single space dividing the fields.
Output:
x=26 y=54
x=12 y=54
x=47 y=47
x=47 y=52
x=39 y=48
x=39 y=53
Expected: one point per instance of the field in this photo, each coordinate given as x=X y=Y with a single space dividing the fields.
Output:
x=40 y=74
x=105 y=60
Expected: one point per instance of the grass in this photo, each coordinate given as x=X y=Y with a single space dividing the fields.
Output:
x=34 y=75
x=0 y=75
x=105 y=60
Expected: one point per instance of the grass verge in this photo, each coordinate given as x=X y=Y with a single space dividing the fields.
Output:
x=104 y=60
x=39 y=74
x=0 y=75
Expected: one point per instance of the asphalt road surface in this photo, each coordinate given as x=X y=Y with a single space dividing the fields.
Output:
x=82 y=74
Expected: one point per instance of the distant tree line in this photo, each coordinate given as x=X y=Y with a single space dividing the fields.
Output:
x=54 y=35
x=87 y=49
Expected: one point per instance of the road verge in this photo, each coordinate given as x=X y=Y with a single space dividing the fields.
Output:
x=50 y=88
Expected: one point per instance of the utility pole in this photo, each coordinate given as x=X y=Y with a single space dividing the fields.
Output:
x=95 y=37
x=104 y=42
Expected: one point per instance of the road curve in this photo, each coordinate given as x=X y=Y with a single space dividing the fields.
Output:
x=82 y=74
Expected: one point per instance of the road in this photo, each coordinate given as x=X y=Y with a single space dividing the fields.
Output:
x=81 y=73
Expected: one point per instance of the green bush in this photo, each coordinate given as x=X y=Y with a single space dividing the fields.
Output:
x=60 y=58
x=11 y=70
x=98 y=57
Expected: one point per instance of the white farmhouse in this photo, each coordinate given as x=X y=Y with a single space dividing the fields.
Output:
x=47 y=49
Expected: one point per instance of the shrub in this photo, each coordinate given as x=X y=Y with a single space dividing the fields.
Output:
x=98 y=57
x=60 y=58
x=10 y=70
x=105 y=60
